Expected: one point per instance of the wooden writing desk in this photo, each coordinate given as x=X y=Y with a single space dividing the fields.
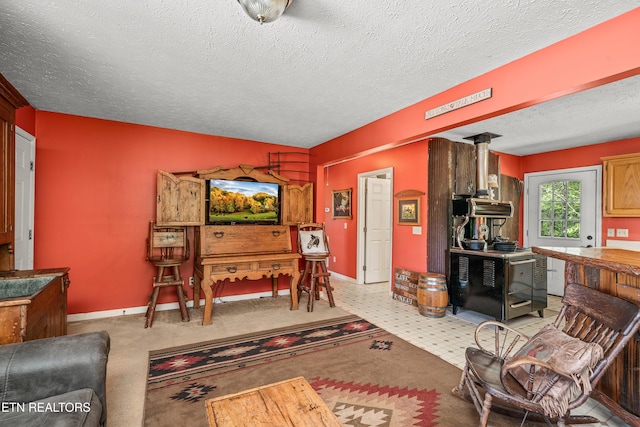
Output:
x=288 y=403
x=237 y=252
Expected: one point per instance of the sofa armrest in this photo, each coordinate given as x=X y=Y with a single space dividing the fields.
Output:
x=37 y=369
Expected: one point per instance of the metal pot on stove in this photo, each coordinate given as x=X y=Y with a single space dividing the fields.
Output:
x=474 y=244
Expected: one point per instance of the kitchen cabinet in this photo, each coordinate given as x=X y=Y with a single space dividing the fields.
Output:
x=621 y=189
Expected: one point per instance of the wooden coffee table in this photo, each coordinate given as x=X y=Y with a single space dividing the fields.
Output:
x=287 y=403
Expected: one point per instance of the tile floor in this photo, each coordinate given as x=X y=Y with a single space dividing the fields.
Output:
x=446 y=337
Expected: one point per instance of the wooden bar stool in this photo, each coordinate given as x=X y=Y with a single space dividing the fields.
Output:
x=168 y=249
x=314 y=248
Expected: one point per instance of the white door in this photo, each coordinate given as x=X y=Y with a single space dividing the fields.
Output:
x=377 y=247
x=562 y=209
x=25 y=159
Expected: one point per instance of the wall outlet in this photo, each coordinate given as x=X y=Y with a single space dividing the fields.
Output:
x=611 y=232
x=622 y=232
x=191 y=282
x=334 y=259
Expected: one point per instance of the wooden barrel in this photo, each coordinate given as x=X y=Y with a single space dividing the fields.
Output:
x=432 y=294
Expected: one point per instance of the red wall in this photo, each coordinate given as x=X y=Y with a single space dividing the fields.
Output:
x=409 y=165
x=95 y=195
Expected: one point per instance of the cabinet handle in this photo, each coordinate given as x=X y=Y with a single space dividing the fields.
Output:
x=275 y=266
x=232 y=269
x=520 y=304
x=275 y=233
x=218 y=234
x=528 y=261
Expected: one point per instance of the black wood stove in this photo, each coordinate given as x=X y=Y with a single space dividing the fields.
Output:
x=504 y=283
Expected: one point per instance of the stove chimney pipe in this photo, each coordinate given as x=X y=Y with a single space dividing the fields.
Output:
x=482 y=142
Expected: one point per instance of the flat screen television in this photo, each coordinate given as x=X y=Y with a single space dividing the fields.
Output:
x=242 y=202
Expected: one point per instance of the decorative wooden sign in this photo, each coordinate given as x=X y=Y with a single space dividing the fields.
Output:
x=458 y=103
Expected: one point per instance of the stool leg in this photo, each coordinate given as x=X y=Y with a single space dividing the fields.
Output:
x=181 y=298
x=312 y=286
x=327 y=284
x=151 y=310
x=303 y=279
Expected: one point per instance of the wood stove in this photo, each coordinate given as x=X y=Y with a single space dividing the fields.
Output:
x=503 y=285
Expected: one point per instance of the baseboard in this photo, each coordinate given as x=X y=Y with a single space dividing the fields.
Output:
x=77 y=317
x=341 y=277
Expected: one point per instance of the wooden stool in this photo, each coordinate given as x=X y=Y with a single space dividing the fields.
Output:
x=315 y=272
x=314 y=248
x=167 y=249
x=162 y=281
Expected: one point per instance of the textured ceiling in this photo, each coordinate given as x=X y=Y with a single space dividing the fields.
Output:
x=323 y=69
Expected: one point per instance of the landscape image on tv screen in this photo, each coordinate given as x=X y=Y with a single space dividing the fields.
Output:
x=243 y=202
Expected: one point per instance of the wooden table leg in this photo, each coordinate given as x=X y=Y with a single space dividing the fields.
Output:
x=274 y=286
x=208 y=296
x=293 y=286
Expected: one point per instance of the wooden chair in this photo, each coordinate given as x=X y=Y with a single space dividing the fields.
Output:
x=523 y=383
x=314 y=248
x=167 y=249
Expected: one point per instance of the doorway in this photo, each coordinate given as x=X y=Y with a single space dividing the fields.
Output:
x=562 y=208
x=374 y=226
x=24 y=199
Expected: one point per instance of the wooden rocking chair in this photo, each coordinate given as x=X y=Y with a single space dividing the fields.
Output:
x=547 y=376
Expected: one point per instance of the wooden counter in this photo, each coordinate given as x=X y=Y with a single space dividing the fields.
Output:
x=616 y=272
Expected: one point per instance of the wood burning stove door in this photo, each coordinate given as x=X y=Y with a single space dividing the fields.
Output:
x=519 y=291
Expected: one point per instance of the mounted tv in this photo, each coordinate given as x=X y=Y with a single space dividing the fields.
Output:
x=242 y=202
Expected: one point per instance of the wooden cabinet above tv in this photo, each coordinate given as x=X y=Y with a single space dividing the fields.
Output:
x=181 y=200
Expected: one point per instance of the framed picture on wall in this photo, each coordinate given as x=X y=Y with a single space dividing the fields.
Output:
x=409 y=211
x=341 y=204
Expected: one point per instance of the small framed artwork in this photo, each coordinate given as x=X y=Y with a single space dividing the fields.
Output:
x=341 y=204
x=409 y=211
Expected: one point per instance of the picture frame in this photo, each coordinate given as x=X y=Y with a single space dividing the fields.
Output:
x=408 y=211
x=341 y=204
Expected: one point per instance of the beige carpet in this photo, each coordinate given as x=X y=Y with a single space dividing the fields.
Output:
x=131 y=342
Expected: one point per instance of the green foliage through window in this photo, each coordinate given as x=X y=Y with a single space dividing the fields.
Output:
x=560 y=209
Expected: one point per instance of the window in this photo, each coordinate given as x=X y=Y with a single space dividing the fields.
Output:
x=560 y=209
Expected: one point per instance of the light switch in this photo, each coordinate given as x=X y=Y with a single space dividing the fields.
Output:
x=416 y=230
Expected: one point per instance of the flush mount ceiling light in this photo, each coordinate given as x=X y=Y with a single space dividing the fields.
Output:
x=264 y=10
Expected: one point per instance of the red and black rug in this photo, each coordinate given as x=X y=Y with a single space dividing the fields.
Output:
x=366 y=375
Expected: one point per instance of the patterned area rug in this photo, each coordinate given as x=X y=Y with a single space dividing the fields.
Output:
x=367 y=376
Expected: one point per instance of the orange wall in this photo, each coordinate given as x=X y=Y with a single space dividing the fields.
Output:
x=409 y=165
x=95 y=195
x=589 y=156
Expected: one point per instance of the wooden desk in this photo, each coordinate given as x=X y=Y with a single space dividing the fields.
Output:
x=288 y=403
x=242 y=252
x=616 y=272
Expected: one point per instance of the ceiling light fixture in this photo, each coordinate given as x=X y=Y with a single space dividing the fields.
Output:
x=264 y=10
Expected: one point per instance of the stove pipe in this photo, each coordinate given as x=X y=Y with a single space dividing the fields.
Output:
x=482 y=141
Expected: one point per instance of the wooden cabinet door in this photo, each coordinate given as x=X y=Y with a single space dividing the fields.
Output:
x=181 y=200
x=7 y=183
x=297 y=205
x=621 y=189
